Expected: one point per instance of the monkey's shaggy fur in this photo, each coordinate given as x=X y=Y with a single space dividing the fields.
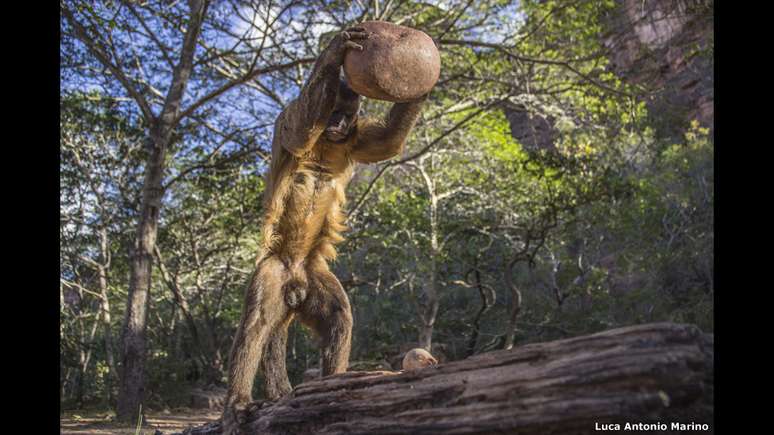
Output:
x=317 y=140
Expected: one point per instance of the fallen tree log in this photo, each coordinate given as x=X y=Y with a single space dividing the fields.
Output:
x=655 y=373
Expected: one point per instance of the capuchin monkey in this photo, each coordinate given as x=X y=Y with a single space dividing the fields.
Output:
x=317 y=140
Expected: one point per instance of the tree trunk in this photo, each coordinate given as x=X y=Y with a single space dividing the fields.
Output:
x=488 y=297
x=84 y=357
x=112 y=373
x=132 y=382
x=108 y=337
x=132 y=385
x=515 y=309
x=67 y=388
x=661 y=372
x=209 y=354
x=62 y=372
x=429 y=306
x=180 y=300
x=61 y=379
x=429 y=303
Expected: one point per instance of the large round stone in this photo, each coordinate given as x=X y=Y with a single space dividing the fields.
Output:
x=397 y=63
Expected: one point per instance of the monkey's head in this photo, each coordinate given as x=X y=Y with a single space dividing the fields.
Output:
x=344 y=117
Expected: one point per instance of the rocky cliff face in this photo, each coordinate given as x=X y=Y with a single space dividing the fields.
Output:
x=664 y=46
x=534 y=131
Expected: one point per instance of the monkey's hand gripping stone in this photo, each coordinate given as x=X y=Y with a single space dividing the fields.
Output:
x=396 y=64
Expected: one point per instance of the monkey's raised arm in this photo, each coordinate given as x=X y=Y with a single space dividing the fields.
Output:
x=304 y=119
x=381 y=140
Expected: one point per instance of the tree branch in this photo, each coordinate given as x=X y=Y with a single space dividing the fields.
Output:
x=249 y=76
x=82 y=34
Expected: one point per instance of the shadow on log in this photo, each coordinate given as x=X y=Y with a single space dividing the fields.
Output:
x=660 y=372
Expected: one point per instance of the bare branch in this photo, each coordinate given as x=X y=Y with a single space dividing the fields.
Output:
x=249 y=76
x=505 y=50
x=83 y=35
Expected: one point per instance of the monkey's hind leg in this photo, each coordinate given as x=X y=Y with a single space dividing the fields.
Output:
x=273 y=364
x=275 y=373
x=327 y=311
x=264 y=311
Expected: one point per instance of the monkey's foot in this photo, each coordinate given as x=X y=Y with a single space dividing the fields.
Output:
x=235 y=417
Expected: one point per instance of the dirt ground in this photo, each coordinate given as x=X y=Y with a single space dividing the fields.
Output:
x=99 y=423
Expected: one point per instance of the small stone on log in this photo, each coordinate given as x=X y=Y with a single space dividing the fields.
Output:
x=418 y=358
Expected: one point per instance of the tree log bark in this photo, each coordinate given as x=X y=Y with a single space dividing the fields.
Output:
x=661 y=372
